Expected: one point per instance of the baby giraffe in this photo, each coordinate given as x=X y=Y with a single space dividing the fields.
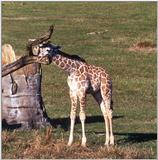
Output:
x=83 y=79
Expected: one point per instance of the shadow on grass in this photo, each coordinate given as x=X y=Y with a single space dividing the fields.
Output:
x=134 y=137
x=137 y=137
x=128 y=137
x=65 y=122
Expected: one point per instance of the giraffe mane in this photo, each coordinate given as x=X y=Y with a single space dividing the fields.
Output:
x=73 y=57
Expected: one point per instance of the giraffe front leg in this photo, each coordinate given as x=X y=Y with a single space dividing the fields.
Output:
x=82 y=116
x=73 y=98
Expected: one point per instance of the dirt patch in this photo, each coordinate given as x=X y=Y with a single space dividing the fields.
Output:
x=146 y=47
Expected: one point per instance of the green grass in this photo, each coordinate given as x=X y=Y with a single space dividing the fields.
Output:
x=122 y=24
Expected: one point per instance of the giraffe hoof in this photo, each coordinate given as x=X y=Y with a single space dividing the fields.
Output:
x=70 y=141
x=83 y=145
x=106 y=144
x=69 y=144
x=112 y=143
x=112 y=140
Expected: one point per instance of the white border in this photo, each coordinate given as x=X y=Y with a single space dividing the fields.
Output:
x=79 y=0
x=63 y=1
x=157 y=77
x=0 y=86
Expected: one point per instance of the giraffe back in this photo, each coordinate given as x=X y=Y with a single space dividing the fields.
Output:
x=98 y=76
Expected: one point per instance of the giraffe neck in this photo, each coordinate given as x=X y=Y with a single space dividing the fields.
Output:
x=67 y=62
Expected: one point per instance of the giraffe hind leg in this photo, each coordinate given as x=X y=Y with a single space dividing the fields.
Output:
x=98 y=97
x=108 y=115
x=106 y=108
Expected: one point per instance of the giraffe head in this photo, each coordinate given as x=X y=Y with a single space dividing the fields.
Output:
x=48 y=49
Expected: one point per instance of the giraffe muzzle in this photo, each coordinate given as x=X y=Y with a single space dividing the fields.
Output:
x=47 y=59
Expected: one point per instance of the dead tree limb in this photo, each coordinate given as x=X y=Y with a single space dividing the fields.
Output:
x=23 y=61
x=42 y=39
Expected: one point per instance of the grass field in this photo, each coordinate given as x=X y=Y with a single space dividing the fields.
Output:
x=105 y=34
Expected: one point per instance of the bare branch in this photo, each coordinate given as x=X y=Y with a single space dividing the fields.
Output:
x=43 y=38
x=34 y=42
x=23 y=61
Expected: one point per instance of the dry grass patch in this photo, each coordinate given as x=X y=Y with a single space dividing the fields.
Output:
x=44 y=145
x=144 y=46
x=7 y=138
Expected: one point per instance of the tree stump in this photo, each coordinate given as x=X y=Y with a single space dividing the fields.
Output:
x=22 y=104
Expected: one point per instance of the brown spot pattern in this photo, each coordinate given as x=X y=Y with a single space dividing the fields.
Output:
x=62 y=64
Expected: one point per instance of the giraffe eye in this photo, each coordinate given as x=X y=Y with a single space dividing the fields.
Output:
x=48 y=49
